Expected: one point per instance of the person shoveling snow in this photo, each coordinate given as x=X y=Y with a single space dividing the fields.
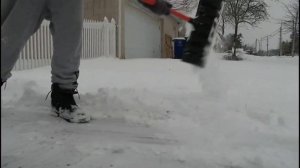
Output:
x=66 y=24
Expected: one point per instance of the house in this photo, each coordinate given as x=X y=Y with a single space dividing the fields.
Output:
x=140 y=33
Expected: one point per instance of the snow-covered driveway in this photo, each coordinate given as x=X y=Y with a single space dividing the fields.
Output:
x=159 y=113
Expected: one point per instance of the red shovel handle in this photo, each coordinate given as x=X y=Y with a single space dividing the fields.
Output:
x=149 y=2
x=173 y=11
x=180 y=15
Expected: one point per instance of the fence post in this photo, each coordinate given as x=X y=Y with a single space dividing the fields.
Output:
x=106 y=37
x=114 y=41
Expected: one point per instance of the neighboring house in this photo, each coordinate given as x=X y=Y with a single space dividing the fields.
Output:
x=140 y=32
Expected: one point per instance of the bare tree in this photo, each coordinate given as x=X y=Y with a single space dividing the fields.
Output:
x=291 y=22
x=184 y=5
x=239 y=12
x=291 y=14
x=221 y=24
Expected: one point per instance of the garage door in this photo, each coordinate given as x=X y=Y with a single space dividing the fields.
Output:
x=142 y=34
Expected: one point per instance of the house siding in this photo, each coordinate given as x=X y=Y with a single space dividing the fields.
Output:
x=98 y=9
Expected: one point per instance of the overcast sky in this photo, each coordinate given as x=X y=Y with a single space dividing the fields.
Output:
x=276 y=12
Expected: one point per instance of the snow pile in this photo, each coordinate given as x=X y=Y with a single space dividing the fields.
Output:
x=159 y=113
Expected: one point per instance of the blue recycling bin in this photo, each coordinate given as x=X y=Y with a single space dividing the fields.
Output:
x=179 y=44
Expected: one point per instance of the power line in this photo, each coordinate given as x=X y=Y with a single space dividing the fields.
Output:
x=266 y=39
x=274 y=33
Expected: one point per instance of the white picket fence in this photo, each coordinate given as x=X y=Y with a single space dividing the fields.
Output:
x=98 y=39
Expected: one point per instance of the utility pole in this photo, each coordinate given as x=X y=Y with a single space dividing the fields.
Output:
x=260 y=46
x=295 y=23
x=280 y=40
x=256 y=46
x=267 y=45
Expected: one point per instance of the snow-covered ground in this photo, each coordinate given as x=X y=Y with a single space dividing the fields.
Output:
x=159 y=113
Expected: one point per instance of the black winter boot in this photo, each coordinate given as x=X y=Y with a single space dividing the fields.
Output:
x=2 y=82
x=64 y=105
x=197 y=46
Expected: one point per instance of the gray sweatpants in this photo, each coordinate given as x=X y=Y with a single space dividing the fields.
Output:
x=21 y=18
